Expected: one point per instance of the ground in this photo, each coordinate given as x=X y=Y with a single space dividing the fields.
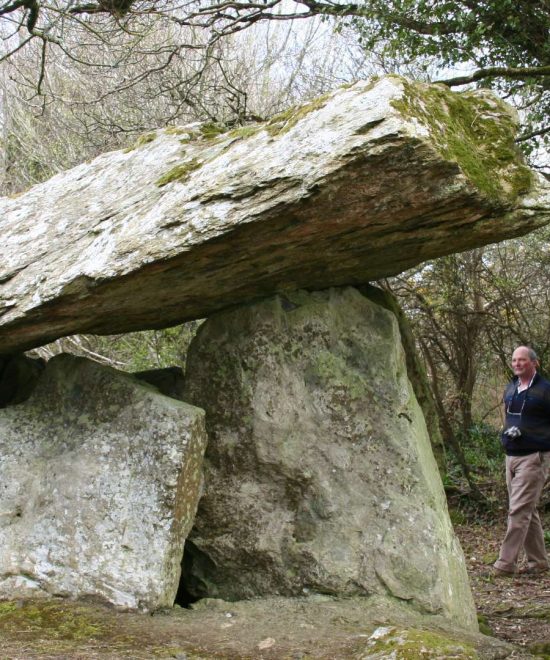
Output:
x=277 y=628
x=517 y=610
x=514 y=612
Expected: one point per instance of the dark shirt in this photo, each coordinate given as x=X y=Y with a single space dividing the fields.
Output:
x=530 y=412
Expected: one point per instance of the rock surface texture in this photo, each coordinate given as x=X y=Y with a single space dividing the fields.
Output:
x=319 y=475
x=100 y=478
x=360 y=184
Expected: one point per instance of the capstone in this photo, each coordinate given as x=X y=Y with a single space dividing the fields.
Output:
x=356 y=185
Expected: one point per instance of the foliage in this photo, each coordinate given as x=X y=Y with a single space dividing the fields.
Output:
x=484 y=456
x=133 y=351
x=444 y=300
x=505 y=41
x=487 y=33
x=483 y=450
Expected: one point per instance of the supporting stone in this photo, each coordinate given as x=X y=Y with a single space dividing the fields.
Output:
x=319 y=475
x=100 y=479
x=416 y=371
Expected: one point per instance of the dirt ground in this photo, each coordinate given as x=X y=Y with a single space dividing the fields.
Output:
x=517 y=610
x=275 y=628
x=512 y=611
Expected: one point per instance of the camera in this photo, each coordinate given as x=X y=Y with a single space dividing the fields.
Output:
x=513 y=432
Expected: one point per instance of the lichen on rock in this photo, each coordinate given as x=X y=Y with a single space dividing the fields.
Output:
x=101 y=477
x=354 y=186
x=319 y=475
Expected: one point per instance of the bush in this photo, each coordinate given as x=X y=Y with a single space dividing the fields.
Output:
x=482 y=449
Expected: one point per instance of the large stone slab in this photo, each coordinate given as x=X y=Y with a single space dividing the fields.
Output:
x=319 y=475
x=357 y=185
x=99 y=482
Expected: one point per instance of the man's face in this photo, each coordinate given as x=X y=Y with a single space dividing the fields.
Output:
x=522 y=365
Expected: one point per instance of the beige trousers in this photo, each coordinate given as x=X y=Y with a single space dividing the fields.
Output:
x=525 y=477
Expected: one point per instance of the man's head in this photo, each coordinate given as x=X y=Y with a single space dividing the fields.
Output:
x=524 y=362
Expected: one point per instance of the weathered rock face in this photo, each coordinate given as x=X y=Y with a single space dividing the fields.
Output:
x=319 y=474
x=100 y=478
x=416 y=371
x=357 y=185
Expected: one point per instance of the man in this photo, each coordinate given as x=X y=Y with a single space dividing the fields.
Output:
x=526 y=440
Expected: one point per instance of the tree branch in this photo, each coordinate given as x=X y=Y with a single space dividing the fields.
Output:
x=528 y=136
x=498 y=72
x=14 y=5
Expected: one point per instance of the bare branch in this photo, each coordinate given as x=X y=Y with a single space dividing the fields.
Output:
x=42 y=67
x=7 y=9
x=23 y=43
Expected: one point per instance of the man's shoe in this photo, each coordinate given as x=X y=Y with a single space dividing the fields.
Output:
x=494 y=572
x=533 y=570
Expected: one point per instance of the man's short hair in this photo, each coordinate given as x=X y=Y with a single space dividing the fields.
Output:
x=532 y=355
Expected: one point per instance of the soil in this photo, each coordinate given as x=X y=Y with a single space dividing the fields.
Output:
x=275 y=628
x=516 y=609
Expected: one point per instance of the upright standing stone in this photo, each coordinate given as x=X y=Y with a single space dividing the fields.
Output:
x=319 y=476
x=99 y=482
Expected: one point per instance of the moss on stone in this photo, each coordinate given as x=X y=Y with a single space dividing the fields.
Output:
x=244 y=132
x=7 y=608
x=145 y=139
x=68 y=629
x=284 y=121
x=212 y=130
x=476 y=133
x=57 y=620
x=176 y=130
x=142 y=139
x=484 y=627
x=416 y=644
x=332 y=370
x=179 y=172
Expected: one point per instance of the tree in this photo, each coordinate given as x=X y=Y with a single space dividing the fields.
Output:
x=444 y=301
x=468 y=312
x=256 y=73
x=505 y=41
x=516 y=281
